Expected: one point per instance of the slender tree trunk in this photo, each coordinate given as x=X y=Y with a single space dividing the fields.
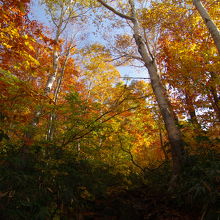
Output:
x=50 y=82
x=213 y=29
x=174 y=134
x=52 y=117
x=52 y=77
x=213 y=95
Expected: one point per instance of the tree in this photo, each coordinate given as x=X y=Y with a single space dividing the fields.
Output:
x=213 y=29
x=61 y=14
x=173 y=131
x=22 y=43
x=190 y=59
x=98 y=72
x=57 y=89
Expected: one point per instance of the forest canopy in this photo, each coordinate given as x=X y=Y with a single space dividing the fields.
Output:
x=80 y=139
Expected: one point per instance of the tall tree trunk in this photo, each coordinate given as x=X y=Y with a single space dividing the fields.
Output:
x=214 y=31
x=50 y=132
x=213 y=95
x=174 y=134
x=53 y=75
x=173 y=131
x=50 y=81
x=166 y=110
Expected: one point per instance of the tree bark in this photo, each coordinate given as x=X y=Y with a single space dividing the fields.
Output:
x=51 y=128
x=50 y=82
x=60 y=27
x=166 y=110
x=174 y=134
x=213 y=95
x=213 y=29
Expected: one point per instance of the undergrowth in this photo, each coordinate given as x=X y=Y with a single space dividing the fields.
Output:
x=54 y=183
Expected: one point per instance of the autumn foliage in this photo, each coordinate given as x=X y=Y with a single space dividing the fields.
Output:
x=80 y=141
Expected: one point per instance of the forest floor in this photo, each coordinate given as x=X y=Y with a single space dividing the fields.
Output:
x=141 y=204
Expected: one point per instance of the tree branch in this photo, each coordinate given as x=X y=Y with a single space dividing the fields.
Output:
x=114 y=11
x=91 y=126
x=131 y=156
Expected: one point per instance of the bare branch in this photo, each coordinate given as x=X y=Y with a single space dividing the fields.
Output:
x=131 y=156
x=114 y=11
x=126 y=56
x=91 y=126
x=130 y=77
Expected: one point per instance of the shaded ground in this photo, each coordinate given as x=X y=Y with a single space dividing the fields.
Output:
x=143 y=203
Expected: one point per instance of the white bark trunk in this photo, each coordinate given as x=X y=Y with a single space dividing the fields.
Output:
x=50 y=82
x=52 y=118
x=213 y=29
x=168 y=115
x=173 y=131
x=53 y=75
x=60 y=27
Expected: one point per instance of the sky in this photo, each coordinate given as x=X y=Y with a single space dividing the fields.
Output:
x=38 y=13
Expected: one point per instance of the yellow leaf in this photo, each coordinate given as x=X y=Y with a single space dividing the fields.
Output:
x=7 y=46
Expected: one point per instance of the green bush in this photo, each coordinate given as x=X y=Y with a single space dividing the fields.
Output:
x=49 y=181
